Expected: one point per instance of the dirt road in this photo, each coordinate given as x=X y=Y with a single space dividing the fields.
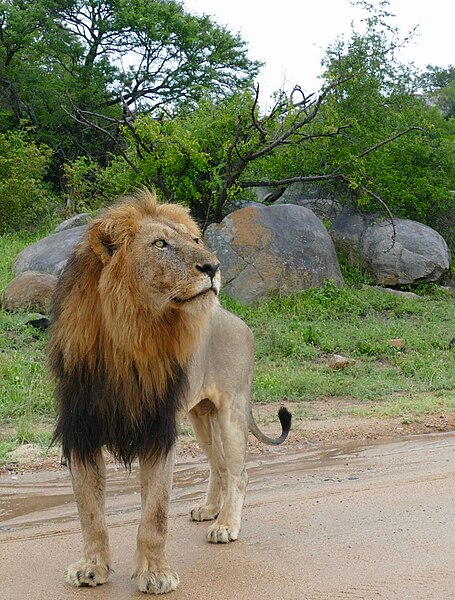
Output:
x=352 y=521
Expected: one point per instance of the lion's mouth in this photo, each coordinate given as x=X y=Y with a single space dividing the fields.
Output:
x=206 y=292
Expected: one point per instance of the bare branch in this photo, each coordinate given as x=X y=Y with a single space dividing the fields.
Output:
x=377 y=146
x=254 y=121
x=81 y=117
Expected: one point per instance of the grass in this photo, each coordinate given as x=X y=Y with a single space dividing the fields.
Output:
x=26 y=404
x=295 y=336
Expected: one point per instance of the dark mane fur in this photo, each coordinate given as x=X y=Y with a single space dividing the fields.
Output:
x=93 y=412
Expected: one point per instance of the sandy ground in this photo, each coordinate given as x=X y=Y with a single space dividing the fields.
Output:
x=344 y=510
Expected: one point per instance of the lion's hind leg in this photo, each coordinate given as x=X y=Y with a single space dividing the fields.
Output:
x=234 y=434
x=205 y=424
x=89 y=490
x=222 y=434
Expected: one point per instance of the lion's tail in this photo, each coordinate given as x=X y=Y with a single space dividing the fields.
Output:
x=285 y=419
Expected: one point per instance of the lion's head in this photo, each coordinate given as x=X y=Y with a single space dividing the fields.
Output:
x=127 y=316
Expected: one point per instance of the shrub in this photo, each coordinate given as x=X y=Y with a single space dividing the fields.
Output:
x=24 y=197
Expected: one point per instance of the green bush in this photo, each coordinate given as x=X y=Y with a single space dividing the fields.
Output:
x=24 y=198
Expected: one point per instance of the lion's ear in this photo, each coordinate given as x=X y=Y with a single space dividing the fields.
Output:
x=100 y=240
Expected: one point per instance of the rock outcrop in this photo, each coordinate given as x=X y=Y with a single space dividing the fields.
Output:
x=268 y=250
x=405 y=252
x=50 y=254
x=30 y=291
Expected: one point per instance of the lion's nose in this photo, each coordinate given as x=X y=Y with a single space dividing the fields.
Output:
x=209 y=268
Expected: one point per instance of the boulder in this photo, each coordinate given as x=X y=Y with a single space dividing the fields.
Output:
x=298 y=190
x=268 y=250
x=418 y=253
x=30 y=291
x=307 y=195
x=50 y=254
x=74 y=221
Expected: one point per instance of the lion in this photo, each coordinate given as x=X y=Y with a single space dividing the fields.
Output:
x=137 y=337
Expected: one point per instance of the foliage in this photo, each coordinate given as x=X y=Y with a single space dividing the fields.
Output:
x=25 y=390
x=415 y=173
x=445 y=100
x=63 y=61
x=204 y=157
x=142 y=92
x=24 y=199
x=434 y=78
x=391 y=147
x=367 y=135
x=195 y=158
x=295 y=335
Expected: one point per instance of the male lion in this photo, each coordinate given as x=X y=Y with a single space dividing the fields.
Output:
x=137 y=336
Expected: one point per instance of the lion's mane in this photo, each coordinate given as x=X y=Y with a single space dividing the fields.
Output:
x=120 y=364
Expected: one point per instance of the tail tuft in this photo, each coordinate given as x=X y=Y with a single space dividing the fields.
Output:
x=285 y=419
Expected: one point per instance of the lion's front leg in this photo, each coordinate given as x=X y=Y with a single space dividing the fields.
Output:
x=89 y=490
x=151 y=567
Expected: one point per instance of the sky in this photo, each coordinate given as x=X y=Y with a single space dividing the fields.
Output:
x=291 y=36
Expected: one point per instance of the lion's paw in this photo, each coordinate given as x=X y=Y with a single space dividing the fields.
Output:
x=85 y=573
x=204 y=513
x=158 y=582
x=222 y=534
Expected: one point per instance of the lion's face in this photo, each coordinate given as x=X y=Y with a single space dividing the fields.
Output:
x=158 y=260
x=172 y=267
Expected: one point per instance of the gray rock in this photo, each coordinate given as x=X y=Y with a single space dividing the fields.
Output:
x=30 y=291
x=265 y=192
x=417 y=254
x=267 y=250
x=75 y=221
x=298 y=190
x=395 y=292
x=308 y=195
x=50 y=254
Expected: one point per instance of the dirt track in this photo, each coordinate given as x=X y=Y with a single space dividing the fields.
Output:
x=351 y=521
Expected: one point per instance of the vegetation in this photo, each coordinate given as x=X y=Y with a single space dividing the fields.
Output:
x=144 y=92
x=24 y=197
x=60 y=61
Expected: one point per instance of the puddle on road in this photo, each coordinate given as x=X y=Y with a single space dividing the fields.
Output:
x=46 y=497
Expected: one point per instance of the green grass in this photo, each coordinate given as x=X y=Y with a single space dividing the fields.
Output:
x=295 y=337
x=26 y=404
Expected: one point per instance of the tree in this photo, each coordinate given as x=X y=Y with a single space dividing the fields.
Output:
x=435 y=78
x=394 y=150
x=366 y=133
x=438 y=86
x=62 y=58
x=201 y=158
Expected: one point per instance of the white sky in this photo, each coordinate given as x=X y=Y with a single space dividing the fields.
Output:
x=291 y=36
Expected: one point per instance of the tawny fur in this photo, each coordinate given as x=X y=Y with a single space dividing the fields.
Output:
x=105 y=316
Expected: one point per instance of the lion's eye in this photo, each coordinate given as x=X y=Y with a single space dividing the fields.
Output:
x=197 y=240
x=160 y=243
